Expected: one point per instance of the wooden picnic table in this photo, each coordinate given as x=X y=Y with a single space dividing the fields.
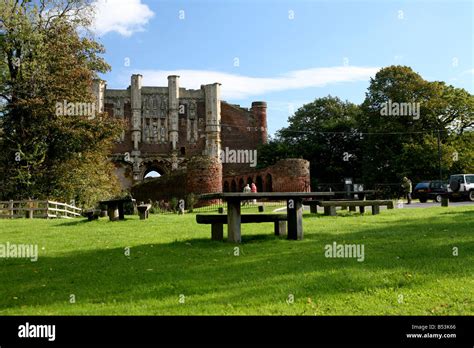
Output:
x=294 y=205
x=115 y=208
x=360 y=194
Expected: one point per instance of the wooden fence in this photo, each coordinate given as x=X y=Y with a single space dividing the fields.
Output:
x=38 y=209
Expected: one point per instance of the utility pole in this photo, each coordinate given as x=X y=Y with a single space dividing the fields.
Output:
x=439 y=157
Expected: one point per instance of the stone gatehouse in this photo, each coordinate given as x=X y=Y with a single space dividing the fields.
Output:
x=173 y=131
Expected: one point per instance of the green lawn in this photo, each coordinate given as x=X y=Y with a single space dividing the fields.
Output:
x=409 y=267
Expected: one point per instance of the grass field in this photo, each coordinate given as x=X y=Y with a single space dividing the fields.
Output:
x=175 y=269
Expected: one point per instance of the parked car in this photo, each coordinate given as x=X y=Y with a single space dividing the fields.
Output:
x=461 y=186
x=430 y=190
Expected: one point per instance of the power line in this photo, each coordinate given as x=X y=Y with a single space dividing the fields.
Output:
x=328 y=132
x=360 y=133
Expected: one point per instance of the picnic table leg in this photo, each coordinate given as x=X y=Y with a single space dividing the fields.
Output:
x=280 y=228
x=121 y=212
x=330 y=211
x=294 y=208
x=233 y=221
x=112 y=211
x=217 y=232
x=375 y=209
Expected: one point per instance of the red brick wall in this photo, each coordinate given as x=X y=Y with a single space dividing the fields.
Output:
x=241 y=130
x=288 y=175
x=202 y=175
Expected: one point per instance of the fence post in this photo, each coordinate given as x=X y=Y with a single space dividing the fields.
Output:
x=30 y=209
x=10 y=208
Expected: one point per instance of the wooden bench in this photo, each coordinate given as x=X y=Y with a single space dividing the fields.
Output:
x=330 y=206
x=143 y=211
x=217 y=222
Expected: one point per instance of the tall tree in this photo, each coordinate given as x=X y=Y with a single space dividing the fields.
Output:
x=48 y=58
x=323 y=132
x=342 y=139
x=407 y=144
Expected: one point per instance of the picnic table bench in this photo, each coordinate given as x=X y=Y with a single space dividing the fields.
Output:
x=330 y=206
x=294 y=208
x=217 y=222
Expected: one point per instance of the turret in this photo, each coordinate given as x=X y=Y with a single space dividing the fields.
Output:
x=213 y=119
x=136 y=101
x=173 y=106
x=259 y=111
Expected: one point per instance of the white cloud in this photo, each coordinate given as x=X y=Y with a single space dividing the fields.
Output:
x=239 y=87
x=122 y=16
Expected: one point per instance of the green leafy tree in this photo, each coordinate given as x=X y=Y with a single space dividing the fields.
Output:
x=45 y=61
x=323 y=132
x=342 y=139
x=408 y=145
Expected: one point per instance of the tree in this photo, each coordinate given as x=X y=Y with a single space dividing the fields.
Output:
x=342 y=139
x=407 y=144
x=45 y=61
x=323 y=132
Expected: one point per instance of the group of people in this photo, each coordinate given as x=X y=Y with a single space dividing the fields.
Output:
x=250 y=188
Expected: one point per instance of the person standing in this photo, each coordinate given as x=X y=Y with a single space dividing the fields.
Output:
x=253 y=188
x=407 y=188
x=247 y=189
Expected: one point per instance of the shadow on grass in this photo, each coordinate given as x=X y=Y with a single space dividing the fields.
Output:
x=74 y=223
x=339 y=214
x=86 y=221
x=267 y=265
x=469 y=213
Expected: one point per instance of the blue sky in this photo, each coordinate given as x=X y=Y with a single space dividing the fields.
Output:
x=285 y=52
